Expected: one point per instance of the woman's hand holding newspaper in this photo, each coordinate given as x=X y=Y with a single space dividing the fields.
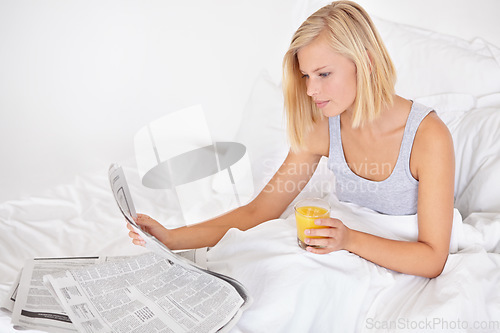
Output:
x=151 y=226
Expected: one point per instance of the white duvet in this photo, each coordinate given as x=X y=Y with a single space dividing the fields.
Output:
x=296 y=291
x=293 y=290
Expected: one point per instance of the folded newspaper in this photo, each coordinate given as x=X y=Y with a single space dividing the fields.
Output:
x=159 y=291
x=30 y=302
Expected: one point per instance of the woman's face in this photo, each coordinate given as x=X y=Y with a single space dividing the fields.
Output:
x=330 y=77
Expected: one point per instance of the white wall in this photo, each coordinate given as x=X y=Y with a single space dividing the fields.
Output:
x=78 y=78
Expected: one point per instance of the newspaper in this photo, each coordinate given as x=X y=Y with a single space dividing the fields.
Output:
x=31 y=303
x=9 y=302
x=121 y=192
x=159 y=291
x=147 y=293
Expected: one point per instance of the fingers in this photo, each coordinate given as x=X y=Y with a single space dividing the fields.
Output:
x=319 y=242
x=329 y=227
x=145 y=220
x=136 y=239
x=317 y=250
x=322 y=248
x=328 y=222
x=129 y=227
x=327 y=239
x=145 y=223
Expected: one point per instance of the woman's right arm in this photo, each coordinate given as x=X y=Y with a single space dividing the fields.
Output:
x=271 y=202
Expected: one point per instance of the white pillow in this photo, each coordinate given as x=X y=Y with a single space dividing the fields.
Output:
x=476 y=139
x=458 y=79
x=477 y=153
x=430 y=63
x=262 y=130
x=450 y=107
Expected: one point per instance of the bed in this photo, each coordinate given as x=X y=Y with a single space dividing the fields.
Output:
x=295 y=291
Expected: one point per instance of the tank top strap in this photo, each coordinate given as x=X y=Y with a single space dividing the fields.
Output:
x=417 y=114
x=336 y=153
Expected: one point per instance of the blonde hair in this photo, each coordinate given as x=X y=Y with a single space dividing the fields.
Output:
x=350 y=32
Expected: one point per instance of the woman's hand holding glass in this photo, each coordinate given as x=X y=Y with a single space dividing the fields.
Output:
x=335 y=236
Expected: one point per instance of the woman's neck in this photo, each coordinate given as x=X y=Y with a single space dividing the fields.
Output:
x=391 y=118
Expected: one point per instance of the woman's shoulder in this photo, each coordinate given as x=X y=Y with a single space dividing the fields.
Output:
x=431 y=129
x=432 y=142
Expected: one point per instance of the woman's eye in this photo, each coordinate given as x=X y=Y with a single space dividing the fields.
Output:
x=324 y=74
x=305 y=76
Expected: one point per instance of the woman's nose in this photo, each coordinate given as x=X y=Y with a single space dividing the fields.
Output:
x=312 y=89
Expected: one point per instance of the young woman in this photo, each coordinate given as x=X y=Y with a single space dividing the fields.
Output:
x=388 y=153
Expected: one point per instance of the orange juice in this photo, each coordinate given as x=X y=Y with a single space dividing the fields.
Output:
x=306 y=212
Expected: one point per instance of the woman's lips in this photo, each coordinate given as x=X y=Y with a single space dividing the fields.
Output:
x=321 y=104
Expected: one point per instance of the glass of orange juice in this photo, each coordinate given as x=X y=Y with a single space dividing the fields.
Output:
x=306 y=212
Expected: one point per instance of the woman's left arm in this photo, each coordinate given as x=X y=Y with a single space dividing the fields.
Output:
x=434 y=165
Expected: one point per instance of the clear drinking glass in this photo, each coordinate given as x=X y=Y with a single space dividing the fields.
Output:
x=306 y=212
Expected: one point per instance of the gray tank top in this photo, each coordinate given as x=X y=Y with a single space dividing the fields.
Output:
x=395 y=195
